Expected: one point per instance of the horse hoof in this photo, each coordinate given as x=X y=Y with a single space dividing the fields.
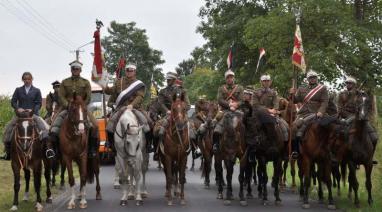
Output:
x=265 y=202
x=331 y=207
x=306 y=206
x=220 y=196
x=98 y=197
x=39 y=207
x=130 y=197
x=26 y=197
x=49 y=200
x=169 y=203
x=207 y=187
x=183 y=202
x=139 y=203
x=123 y=203
x=83 y=205
x=227 y=202
x=249 y=196
x=243 y=203
x=71 y=206
x=144 y=194
x=278 y=202
x=14 y=208
x=116 y=186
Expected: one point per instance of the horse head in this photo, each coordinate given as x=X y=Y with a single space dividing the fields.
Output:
x=179 y=110
x=212 y=110
x=363 y=107
x=130 y=132
x=77 y=113
x=25 y=133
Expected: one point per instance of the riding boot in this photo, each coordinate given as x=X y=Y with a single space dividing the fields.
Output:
x=110 y=141
x=7 y=153
x=197 y=153
x=295 y=147
x=50 y=144
x=93 y=145
x=149 y=145
x=216 y=140
x=157 y=149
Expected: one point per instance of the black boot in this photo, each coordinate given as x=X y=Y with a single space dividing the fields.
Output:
x=295 y=147
x=216 y=140
x=149 y=139
x=157 y=149
x=93 y=145
x=51 y=142
x=110 y=141
x=7 y=153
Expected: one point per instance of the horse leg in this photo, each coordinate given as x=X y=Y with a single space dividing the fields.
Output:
x=293 y=173
x=306 y=181
x=255 y=175
x=169 y=178
x=320 y=177
x=277 y=167
x=193 y=159
x=368 y=170
x=37 y=183
x=229 y=165
x=328 y=179
x=62 y=175
x=27 y=176
x=137 y=170
x=16 y=185
x=82 y=164
x=243 y=164
x=47 y=169
x=98 y=187
x=182 y=178
x=248 y=176
x=353 y=183
x=68 y=164
x=219 y=177
x=207 y=170
x=301 y=177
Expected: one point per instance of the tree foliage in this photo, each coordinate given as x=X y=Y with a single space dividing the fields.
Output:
x=130 y=42
x=340 y=37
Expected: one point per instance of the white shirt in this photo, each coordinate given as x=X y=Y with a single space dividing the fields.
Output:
x=27 y=88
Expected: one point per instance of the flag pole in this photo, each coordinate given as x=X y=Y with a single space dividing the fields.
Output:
x=290 y=107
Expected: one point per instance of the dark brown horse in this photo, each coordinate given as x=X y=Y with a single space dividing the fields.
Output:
x=27 y=153
x=315 y=150
x=232 y=147
x=205 y=142
x=175 y=147
x=74 y=147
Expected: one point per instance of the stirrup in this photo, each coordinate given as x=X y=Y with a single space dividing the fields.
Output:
x=50 y=153
x=197 y=153
x=294 y=155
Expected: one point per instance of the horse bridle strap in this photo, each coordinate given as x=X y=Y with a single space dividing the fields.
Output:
x=28 y=154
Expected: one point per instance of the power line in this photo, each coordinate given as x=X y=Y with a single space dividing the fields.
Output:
x=44 y=22
x=26 y=20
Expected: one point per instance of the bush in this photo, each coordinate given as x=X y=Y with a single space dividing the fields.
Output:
x=6 y=112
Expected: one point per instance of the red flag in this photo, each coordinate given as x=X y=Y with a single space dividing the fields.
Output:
x=121 y=67
x=262 y=53
x=298 y=51
x=98 y=63
x=229 y=59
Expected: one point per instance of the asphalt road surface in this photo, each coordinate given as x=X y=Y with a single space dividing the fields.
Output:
x=198 y=198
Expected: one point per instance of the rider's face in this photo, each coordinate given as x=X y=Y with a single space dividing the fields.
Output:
x=312 y=80
x=229 y=79
x=130 y=73
x=27 y=79
x=266 y=83
x=247 y=97
x=170 y=82
x=349 y=85
x=76 y=71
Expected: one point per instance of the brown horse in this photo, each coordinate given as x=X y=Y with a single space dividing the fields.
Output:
x=27 y=153
x=232 y=146
x=175 y=147
x=288 y=112
x=315 y=150
x=205 y=142
x=74 y=147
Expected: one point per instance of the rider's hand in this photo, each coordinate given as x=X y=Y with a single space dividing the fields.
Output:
x=169 y=112
x=292 y=91
x=130 y=107
x=319 y=114
x=232 y=108
x=20 y=110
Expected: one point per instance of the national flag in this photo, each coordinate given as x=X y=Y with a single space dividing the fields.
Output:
x=120 y=68
x=261 y=54
x=229 y=59
x=298 y=50
x=99 y=74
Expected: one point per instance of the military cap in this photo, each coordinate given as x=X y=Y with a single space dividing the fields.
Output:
x=229 y=72
x=265 y=77
x=311 y=73
x=56 y=83
x=76 y=64
x=131 y=66
x=171 y=75
x=351 y=79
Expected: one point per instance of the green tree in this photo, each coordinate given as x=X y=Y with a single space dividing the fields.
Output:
x=130 y=42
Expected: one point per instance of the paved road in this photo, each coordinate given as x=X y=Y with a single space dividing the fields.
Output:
x=198 y=198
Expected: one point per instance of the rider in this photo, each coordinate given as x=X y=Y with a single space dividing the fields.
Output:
x=230 y=97
x=165 y=100
x=128 y=93
x=267 y=98
x=81 y=87
x=347 y=104
x=26 y=97
x=51 y=98
x=314 y=98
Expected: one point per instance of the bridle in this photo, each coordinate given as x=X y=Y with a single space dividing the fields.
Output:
x=26 y=148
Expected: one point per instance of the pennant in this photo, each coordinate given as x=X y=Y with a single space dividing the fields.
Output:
x=229 y=58
x=261 y=54
x=120 y=68
x=298 y=51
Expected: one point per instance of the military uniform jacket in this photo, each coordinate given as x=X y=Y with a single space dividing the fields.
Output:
x=347 y=103
x=165 y=97
x=318 y=102
x=226 y=92
x=50 y=98
x=266 y=98
x=71 y=85
x=121 y=84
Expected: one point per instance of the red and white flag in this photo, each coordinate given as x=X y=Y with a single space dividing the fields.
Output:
x=262 y=53
x=298 y=51
x=229 y=58
x=121 y=67
x=99 y=73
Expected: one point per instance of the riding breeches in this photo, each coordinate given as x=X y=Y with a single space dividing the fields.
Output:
x=41 y=125
x=300 y=124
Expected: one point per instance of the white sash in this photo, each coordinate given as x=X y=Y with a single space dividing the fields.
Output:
x=128 y=89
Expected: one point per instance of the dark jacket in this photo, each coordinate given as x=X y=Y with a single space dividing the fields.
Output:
x=32 y=100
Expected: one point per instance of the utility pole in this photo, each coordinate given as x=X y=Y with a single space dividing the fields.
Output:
x=78 y=50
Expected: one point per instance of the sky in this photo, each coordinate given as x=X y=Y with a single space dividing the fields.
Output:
x=37 y=36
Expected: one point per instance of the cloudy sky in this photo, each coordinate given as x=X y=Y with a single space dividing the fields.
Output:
x=37 y=36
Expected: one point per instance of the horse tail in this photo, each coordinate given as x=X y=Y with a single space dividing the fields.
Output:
x=91 y=169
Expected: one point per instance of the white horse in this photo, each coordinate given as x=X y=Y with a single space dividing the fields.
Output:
x=129 y=143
